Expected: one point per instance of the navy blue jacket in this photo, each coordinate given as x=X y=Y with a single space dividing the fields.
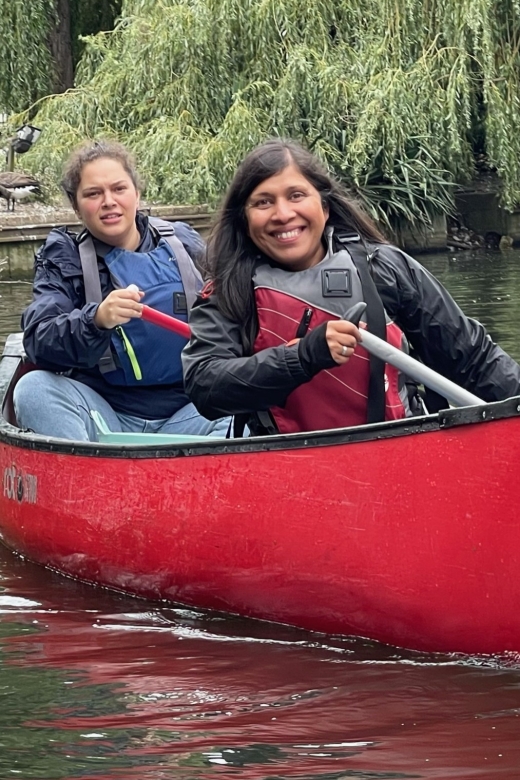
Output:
x=60 y=334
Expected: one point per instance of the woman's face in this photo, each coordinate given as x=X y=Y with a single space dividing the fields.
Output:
x=286 y=218
x=107 y=203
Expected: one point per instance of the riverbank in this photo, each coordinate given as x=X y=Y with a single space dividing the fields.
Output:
x=25 y=229
x=32 y=221
x=479 y=223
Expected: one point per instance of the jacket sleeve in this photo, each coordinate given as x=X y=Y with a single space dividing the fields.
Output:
x=220 y=379
x=59 y=328
x=443 y=337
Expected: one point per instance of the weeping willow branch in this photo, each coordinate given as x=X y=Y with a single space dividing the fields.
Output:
x=26 y=68
x=396 y=96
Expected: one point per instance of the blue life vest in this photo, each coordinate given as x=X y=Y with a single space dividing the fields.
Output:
x=142 y=353
x=147 y=354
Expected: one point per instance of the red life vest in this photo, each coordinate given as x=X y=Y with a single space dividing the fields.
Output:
x=336 y=397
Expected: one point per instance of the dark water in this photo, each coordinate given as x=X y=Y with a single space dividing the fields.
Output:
x=95 y=685
x=14 y=296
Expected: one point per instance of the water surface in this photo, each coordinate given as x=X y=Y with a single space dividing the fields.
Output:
x=96 y=685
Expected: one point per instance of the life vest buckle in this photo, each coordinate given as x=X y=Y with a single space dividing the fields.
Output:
x=336 y=283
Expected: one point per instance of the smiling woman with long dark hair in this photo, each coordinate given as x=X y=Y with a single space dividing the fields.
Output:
x=289 y=255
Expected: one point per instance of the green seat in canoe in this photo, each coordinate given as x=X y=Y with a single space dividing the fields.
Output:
x=106 y=436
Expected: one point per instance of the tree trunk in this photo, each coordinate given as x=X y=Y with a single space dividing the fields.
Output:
x=61 y=47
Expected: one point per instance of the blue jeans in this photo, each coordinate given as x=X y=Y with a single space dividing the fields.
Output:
x=55 y=405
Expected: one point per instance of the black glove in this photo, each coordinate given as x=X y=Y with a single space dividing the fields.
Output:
x=314 y=352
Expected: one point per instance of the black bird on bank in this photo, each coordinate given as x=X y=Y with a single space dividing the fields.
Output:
x=16 y=186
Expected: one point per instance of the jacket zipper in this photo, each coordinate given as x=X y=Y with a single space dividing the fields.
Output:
x=303 y=327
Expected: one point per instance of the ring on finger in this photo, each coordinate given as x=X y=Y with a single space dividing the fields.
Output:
x=344 y=350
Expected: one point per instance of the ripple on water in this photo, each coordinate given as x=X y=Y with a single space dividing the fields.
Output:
x=103 y=686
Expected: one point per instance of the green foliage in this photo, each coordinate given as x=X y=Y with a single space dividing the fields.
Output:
x=87 y=17
x=26 y=69
x=395 y=95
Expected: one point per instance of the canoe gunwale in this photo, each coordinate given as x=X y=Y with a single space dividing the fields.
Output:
x=13 y=360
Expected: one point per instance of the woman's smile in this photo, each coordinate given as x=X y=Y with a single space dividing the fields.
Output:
x=286 y=218
x=288 y=234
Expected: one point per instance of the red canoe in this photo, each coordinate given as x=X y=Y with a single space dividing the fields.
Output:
x=406 y=532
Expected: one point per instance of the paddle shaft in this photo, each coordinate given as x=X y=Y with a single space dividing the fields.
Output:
x=413 y=368
x=417 y=371
x=165 y=321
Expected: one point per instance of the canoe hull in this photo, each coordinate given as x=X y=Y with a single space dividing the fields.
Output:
x=410 y=539
x=405 y=532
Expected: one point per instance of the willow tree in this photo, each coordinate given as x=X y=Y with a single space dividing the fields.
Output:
x=394 y=95
x=26 y=67
x=40 y=45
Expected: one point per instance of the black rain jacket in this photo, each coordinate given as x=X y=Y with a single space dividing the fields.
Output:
x=222 y=377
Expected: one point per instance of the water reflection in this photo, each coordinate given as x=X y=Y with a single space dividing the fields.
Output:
x=14 y=297
x=104 y=686
x=97 y=685
x=487 y=286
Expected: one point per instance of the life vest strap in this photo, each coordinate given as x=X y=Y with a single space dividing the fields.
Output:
x=376 y=323
x=93 y=294
x=190 y=276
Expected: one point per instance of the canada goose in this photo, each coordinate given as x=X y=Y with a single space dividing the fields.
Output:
x=16 y=186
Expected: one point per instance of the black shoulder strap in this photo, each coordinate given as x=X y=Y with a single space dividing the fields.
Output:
x=376 y=323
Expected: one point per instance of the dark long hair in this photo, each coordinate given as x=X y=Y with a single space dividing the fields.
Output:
x=231 y=254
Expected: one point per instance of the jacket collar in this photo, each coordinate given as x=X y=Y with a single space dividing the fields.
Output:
x=146 y=244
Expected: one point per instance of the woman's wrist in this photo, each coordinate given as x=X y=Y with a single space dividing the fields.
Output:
x=314 y=352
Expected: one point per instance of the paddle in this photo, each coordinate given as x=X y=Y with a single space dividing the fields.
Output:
x=417 y=371
x=413 y=368
x=165 y=321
